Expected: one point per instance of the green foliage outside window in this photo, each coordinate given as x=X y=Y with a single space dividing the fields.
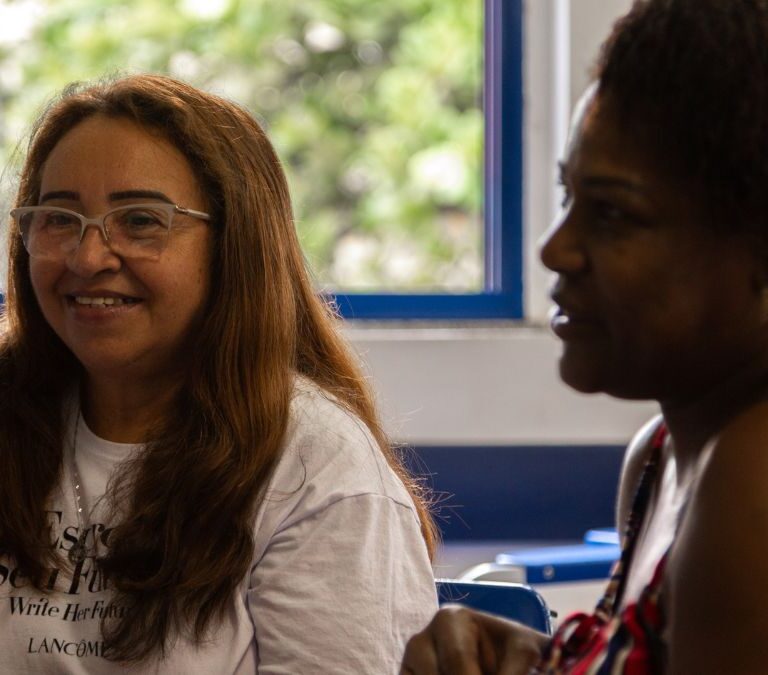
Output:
x=374 y=108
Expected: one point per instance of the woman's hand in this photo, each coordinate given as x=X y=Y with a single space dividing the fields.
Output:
x=461 y=641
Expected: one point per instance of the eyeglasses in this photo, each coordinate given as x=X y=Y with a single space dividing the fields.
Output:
x=132 y=231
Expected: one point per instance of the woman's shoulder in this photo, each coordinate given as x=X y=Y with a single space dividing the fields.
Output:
x=329 y=461
x=736 y=459
x=317 y=416
x=635 y=459
x=718 y=562
x=328 y=445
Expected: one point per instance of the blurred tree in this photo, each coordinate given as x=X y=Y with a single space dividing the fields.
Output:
x=375 y=108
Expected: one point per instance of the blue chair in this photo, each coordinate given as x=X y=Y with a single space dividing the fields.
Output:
x=517 y=602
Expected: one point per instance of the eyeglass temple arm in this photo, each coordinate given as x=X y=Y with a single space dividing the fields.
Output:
x=191 y=212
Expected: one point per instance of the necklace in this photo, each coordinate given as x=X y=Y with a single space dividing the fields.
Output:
x=78 y=552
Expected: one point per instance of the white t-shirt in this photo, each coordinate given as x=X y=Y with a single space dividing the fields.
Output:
x=340 y=576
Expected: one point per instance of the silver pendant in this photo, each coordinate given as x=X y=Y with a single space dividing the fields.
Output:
x=78 y=551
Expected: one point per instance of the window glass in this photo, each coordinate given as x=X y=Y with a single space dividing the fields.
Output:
x=375 y=107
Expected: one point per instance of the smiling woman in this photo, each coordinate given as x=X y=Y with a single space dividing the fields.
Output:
x=102 y=163
x=193 y=472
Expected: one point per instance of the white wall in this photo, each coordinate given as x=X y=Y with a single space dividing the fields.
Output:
x=590 y=23
x=496 y=384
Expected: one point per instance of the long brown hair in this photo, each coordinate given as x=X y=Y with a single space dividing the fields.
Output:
x=201 y=479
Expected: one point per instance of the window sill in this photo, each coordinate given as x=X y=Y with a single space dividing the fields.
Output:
x=487 y=383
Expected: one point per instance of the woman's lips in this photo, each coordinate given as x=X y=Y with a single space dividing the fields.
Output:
x=572 y=326
x=103 y=301
x=99 y=306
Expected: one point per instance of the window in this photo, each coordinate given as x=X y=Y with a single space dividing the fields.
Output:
x=501 y=293
x=378 y=110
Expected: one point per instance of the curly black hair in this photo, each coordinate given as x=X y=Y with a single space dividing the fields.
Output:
x=689 y=78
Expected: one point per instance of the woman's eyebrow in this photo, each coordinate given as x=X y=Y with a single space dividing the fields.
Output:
x=139 y=194
x=60 y=194
x=113 y=196
x=599 y=180
x=626 y=184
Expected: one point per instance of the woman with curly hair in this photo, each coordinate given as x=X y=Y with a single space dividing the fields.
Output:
x=660 y=258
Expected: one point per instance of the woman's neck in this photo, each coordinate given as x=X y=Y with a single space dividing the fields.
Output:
x=125 y=412
x=694 y=422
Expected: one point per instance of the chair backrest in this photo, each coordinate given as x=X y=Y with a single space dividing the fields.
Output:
x=512 y=601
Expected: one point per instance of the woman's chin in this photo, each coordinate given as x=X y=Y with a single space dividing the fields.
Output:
x=588 y=377
x=581 y=380
x=583 y=370
x=112 y=365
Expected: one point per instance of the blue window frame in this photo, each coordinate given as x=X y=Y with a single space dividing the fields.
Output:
x=503 y=205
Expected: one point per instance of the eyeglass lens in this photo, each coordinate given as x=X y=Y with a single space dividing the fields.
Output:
x=134 y=231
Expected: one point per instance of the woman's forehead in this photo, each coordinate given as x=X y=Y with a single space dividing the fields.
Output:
x=600 y=141
x=116 y=154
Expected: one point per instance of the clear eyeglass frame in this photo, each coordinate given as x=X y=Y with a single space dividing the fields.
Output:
x=57 y=249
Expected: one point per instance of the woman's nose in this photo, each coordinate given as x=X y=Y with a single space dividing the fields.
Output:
x=93 y=255
x=560 y=247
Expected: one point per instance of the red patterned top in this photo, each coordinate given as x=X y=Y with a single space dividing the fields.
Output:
x=607 y=642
